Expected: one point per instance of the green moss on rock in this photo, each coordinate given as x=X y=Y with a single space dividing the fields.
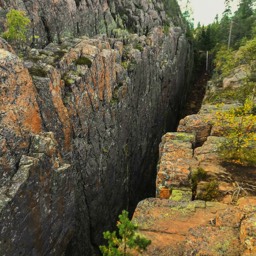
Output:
x=69 y=81
x=182 y=136
x=83 y=61
x=181 y=195
x=37 y=71
x=139 y=47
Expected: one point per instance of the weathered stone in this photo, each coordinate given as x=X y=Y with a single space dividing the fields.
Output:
x=4 y=45
x=220 y=183
x=197 y=125
x=247 y=235
x=207 y=190
x=175 y=162
x=55 y=20
x=9 y=191
x=31 y=205
x=214 y=225
x=237 y=77
x=209 y=150
x=91 y=115
x=183 y=228
x=247 y=203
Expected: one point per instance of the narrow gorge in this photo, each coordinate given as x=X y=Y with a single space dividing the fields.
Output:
x=81 y=117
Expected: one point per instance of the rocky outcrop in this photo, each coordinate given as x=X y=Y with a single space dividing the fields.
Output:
x=204 y=205
x=175 y=163
x=53 y=20
x=197 y=227
x=236 y=78
x=31 y=206
x=80 y=125
x=189 y=159
x=33 y=173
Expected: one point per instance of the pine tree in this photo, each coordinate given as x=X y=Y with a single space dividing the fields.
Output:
x=243 y=21
x=17 y=26
x=126 y=239
x=227 y=11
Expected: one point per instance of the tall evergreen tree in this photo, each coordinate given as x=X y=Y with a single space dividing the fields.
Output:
x=243 y=22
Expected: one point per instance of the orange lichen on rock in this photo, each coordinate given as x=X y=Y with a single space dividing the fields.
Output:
x=32 y=121
x=206 y=228
x=55 y=89
x=110 y=72
x=17 y=95
x=4 y=45
x=164 y=193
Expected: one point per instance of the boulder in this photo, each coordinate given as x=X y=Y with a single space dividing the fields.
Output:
x=237 y=78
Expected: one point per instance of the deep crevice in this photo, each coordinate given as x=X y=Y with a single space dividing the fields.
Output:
x=47 y=30
x=77 y=3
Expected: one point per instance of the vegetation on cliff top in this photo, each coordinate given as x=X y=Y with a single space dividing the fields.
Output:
x=231 y=44
x=238 y=126
x=17 y=24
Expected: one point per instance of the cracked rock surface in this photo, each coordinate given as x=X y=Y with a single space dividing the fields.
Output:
x=197 y=227
x=80 y=124
x=53 y=20
x=204 y=205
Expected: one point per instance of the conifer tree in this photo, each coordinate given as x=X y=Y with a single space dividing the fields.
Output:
x=17 y=26
x=118 y=244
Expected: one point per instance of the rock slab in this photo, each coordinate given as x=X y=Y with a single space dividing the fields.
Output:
x=197 y=227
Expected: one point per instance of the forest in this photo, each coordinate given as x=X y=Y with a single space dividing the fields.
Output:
x=226 y=37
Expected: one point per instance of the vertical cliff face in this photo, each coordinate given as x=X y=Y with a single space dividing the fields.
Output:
x=80 y=125
x=53 y=20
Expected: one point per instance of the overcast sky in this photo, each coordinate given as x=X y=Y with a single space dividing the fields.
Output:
x=205 y=10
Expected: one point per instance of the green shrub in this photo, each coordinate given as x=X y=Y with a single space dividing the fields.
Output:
x=166 y=28
x=38 y=71
x=17 y=26
x=139 y=47
x=238 y=126
x=209 y=191
x=197 y=175
x=239 y=94
x=118 y=244
x=227 y=60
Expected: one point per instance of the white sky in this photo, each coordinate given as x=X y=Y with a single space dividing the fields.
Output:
x=205 y=10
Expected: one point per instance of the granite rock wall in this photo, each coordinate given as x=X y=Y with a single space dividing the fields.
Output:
x=53 y=20
x=80 y=126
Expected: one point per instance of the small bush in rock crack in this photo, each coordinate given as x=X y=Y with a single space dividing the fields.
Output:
x=126 y=239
